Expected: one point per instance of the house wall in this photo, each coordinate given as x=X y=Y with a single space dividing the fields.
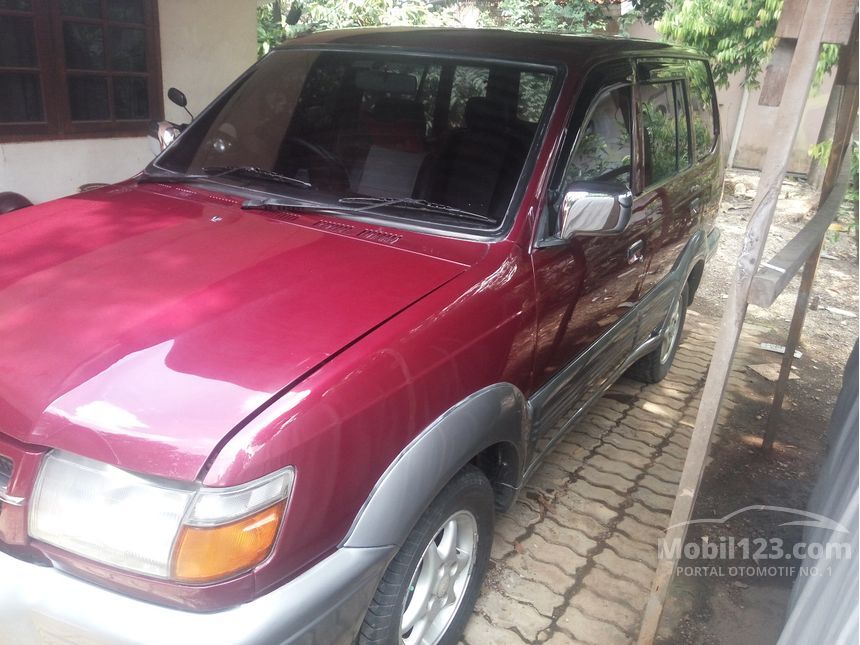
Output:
x=205 y=44
x=759 y=119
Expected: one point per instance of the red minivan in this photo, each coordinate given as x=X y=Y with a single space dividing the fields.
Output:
x=274 y=388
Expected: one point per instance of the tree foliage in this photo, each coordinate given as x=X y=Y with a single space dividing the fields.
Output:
x=565 y=17
x=562 y=16
x=738 y=35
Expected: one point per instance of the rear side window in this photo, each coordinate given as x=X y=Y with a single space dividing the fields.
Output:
x=701 y=97
x=603 y=149
x=533 y=93
x=469 y=83
x=664 y=122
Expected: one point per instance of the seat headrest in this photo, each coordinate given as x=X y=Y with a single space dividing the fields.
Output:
x=486 y=114
x=393 y=109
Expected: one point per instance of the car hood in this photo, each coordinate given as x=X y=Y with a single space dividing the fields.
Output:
x=139 y=326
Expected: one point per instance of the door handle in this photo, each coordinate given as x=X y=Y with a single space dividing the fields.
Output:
x=635 y=252
x=696 y=206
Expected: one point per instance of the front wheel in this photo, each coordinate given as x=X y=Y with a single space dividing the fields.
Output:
x=430 y=587
x=653 y=367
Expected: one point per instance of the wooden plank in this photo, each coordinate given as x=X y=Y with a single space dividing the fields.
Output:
x=791 y=19
x=794 y=332
x=776 y=273
x=839 y=21
x=776 y=73
x=847 y=74
x=783 y=135
x=832 y=191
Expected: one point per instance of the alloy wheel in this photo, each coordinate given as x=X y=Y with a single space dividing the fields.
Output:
x=440 y=581
x=670 y=334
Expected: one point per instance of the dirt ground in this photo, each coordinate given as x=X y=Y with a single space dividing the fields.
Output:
x=708 y=607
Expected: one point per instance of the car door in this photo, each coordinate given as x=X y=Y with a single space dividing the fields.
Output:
x=587 y=287
x=670 y=190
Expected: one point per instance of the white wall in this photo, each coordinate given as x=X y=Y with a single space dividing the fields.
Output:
x=205 y=44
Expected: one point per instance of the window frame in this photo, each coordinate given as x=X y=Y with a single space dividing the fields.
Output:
x=715 y=121
x=57 y=124
x=604 y=91
x=559 y=72
x=599 y=80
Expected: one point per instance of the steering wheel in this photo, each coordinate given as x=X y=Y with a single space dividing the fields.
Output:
x=330 y=174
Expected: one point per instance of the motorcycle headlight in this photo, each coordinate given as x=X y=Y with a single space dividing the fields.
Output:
x=156 y=527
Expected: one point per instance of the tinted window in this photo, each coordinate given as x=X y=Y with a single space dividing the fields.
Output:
x=701 y=97
x=603 y=145
x=534 y=89
x=373 y=126
x=684 y=151
x=22 y=100
x=664 y=121
x=469 y=83
x=17 y=42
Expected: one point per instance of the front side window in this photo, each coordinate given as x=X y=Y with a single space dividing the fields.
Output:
x=374 y=126
x=603 y=146
x=664 y=123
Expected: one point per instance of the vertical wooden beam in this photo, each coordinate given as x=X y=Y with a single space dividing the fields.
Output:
x=773 y=171
x=739 y=126
x=846 y=116
x=794 y=331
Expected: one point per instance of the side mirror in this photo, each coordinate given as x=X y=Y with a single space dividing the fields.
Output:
x=161 y=134
x=177 y=97
x=12 y=202
x=594 y=209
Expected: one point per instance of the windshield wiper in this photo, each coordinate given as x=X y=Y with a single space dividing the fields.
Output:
x=257 y=173
x=280 y=205
x=415 y=204
x=370 y=203
x=212 y=172
x=173 y=178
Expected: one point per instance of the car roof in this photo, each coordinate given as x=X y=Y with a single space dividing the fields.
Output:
x=493 y=43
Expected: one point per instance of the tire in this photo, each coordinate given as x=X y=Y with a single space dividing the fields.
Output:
x=13 y=201
x=653 y=367
x=461 y=513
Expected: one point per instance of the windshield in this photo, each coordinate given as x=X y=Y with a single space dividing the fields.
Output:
x=377 y=125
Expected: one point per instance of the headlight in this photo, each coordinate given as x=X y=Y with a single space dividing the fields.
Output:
x=159 y=528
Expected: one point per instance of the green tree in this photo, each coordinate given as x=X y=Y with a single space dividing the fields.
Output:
x=273 y=22
x=564 y=16
x=738 y=35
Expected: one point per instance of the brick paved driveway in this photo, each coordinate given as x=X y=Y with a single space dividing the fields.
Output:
x=572 y=562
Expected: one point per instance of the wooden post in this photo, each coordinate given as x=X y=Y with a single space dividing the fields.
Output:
x=794 y=331
x=833 y=190
x=739 y=126
x=785 y=129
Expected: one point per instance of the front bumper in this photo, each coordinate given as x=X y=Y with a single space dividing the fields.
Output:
x=324 y=605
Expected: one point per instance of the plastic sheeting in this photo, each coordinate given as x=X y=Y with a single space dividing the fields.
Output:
x=824 y=607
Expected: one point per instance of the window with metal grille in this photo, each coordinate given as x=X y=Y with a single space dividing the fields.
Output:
x=76 y=68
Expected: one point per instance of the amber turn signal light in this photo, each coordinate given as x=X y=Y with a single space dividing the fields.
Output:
x=207 y=553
